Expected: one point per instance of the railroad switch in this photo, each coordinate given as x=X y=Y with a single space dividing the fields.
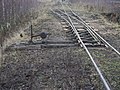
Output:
x=43 y=36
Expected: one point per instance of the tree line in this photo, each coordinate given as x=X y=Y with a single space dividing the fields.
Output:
x=12 y=12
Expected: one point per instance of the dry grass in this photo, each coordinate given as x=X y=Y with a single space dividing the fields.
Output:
x=38 y=14
x=94 y=10
x=112 y=24
x=42 y=12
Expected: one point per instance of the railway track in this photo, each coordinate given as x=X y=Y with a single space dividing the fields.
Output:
x=84 y=35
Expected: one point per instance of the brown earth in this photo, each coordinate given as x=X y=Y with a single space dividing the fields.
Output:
x=61 y=68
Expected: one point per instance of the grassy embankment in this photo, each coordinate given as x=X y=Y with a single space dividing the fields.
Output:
x=35 y=16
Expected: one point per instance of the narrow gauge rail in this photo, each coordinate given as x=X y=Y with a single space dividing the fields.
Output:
x=71 y=18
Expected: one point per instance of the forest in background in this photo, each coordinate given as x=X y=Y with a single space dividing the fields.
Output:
x=13 y=13
x=110 y=9
x=109 y=5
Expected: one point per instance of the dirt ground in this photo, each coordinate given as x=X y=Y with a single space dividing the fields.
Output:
x=46 y=69
x=67 y=68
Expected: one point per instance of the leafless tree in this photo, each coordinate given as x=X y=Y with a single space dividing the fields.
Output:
x=12 y=11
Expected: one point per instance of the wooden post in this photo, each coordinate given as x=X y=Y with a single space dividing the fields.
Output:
x=31 y=27
x=1 y=48
x=1 y=54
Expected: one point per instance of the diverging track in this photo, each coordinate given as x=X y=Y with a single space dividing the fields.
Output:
x=84 y=35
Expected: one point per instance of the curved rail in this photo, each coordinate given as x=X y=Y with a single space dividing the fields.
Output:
x=86 y=49
x=84 y=23
x=91 y=33
x=69 y=21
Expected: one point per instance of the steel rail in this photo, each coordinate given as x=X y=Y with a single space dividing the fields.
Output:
x=80 y=40
x=91 y=33
x=60 y=16
x=94 y=32
x=86 y=49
